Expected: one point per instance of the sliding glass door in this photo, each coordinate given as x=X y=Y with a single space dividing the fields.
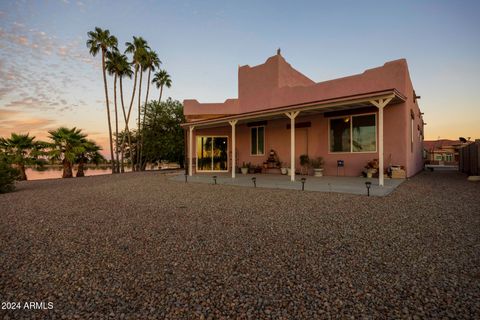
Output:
x=212 y=153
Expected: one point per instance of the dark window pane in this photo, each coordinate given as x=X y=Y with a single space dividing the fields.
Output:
x=254 y=140
x=363 y=133
x=340 y=135
x=220 y=153
x=204 y=153
x=261 y=140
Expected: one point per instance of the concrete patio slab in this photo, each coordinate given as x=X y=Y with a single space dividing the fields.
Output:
x=352 y=185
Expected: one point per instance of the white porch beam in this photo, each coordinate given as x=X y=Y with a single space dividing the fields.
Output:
x=234 y=151
x=190 y=149
x=380 y=104
x=292 y=115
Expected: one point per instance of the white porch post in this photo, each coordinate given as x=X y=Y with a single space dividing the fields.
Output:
x=234 y=155
x=380 y=104
x=292 y=115
x=190 y=149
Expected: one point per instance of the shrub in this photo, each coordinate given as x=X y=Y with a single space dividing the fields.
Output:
x=8 y=175
x=317 y=163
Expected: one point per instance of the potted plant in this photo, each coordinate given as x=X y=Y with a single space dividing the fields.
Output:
x=304 y=163
x=283 y=168
x=289 y=171
x=251 y=168
x=371 y=168
x=244 y=168
x=317 y=165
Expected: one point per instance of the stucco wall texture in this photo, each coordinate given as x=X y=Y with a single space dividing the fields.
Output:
x=276 y=84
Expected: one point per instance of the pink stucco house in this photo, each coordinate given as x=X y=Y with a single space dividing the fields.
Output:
x=373 y=115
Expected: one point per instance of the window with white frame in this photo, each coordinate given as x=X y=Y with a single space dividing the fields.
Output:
x=353 y=134
x=257 y=141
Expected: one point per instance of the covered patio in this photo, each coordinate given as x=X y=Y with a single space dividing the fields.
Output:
x=350 y=185
x=375 y=100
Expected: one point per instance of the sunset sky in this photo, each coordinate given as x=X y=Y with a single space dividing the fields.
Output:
x=48 y=78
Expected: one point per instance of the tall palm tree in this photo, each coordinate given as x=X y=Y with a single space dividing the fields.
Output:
x=101 y=40
x=151 y=62
x=160 y=79
x=118 y=65
x=67 y=145
x=90 y=154
x=112 y=64
x=138 y=48
x=22 y=149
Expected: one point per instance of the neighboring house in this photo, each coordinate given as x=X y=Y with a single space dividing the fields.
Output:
x=442 y=151
x=373 y=115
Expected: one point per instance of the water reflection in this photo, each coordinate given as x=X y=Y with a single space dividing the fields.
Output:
x=56 y=172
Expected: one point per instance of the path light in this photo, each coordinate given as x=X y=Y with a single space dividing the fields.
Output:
x=368 y=184
x=215 y=179
x=254 y=180
x=186 y=177
x=303 y=183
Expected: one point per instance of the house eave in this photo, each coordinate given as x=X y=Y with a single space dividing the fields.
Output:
x=319 y=106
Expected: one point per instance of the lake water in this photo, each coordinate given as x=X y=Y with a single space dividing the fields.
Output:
x=56 y=173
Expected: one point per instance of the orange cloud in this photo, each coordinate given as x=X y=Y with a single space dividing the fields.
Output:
x=20 y=122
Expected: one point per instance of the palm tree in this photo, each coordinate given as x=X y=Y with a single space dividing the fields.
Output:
x=22 y=149
x=101 y=40
x=151 y=62
x=113 y=66
x=118 y=65
x=90 y=154
x=138 y=48
x=160 y=79
x=67 y=145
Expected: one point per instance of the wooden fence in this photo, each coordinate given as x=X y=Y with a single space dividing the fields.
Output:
x=469 y=159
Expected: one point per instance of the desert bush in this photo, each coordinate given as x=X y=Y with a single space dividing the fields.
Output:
x=8 y=175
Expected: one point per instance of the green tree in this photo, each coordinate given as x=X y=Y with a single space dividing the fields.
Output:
x=160 y=79
x=67 y=144
x=164 y=138
x=22 y=150
x=90 y=154
x=138 y=48
x=101 y=41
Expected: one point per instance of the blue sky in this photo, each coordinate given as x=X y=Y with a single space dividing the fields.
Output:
x=48 y=78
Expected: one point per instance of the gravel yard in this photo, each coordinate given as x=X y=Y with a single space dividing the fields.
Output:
x=141 y=246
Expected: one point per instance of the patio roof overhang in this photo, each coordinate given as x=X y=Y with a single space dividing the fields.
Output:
x=314 y=107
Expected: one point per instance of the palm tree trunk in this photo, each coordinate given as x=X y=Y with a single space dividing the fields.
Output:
x=144 y=116
x=161 y=91
x=129 y=113
x=67 y=169
x=117 y=162
x=108 y=110
x=23 y=174
x=80 y=171
x=127 y=119
x=137 y=163
x=122 y=166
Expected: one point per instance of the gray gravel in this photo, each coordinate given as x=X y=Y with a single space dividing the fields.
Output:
x=141 y=246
